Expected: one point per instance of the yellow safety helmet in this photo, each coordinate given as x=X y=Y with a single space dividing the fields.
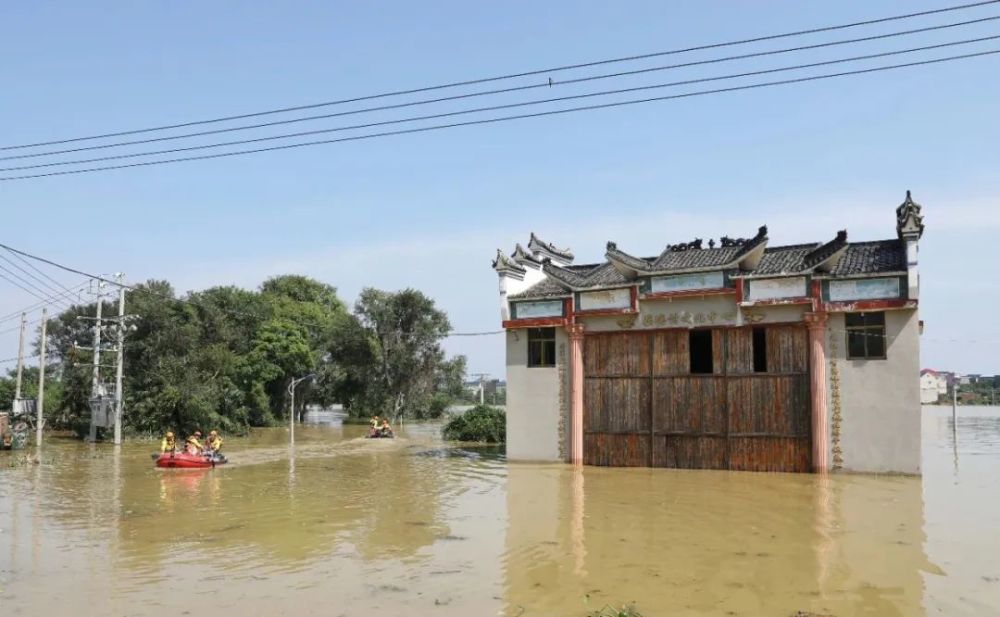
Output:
x=170 y=435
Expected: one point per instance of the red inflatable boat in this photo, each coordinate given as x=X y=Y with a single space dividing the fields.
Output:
x=183 y=460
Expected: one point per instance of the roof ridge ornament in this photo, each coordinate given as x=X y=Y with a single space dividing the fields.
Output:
x=694 y=245
x=826 y=256
x=503 y=264
x=909 y=220
x=520 y=255
x=536 y=244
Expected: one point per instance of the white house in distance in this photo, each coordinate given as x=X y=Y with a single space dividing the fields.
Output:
x=721 y=355
x=933 y=385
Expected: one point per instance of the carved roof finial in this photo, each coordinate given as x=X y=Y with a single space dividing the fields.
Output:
x=909 y=220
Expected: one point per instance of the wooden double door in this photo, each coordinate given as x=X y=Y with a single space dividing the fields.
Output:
x=644 y=407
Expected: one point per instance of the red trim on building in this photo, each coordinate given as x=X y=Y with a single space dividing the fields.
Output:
x=537 y=322
x=740 y=290
x=817 y=295
x=778 y=302
x=870 y=305
x=687 y=293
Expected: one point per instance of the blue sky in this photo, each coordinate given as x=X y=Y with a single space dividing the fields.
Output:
x=429 y=210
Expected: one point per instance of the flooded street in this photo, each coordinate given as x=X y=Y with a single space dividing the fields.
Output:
x=412 y=526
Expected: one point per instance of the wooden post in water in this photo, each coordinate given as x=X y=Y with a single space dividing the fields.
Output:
x=576 y=393
x=954 y=401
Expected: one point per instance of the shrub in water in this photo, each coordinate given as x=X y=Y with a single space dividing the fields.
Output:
x=482 y=423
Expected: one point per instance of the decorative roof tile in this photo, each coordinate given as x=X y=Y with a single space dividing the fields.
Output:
x=546 y=288
x=878 y=257
x=785 y=259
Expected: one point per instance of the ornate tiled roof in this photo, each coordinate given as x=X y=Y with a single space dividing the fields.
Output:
x=826 y=257
x=502 y=263
x=547 y=288
x=879 y=257
x=537 y=244
x=785 y=259
x=741 y=257
x=521 y=256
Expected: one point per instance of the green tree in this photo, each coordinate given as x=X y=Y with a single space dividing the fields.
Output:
x=392 y=353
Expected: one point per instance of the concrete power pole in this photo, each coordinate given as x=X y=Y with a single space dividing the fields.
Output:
x=482 y=386
x=20 y=357
x=41 y=383
x=95 y=384
x=118 y=368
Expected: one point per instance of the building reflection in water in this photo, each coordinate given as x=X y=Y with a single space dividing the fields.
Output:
x=711 y=542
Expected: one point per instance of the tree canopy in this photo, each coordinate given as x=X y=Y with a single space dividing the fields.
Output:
x=223 y=357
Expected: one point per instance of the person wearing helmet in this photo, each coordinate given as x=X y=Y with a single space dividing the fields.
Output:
x=169 y=444
x=385 y=430
x=214 y=442
x=194 y=443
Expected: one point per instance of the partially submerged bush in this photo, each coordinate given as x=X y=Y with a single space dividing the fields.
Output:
x=482 y=423
x=609 y=611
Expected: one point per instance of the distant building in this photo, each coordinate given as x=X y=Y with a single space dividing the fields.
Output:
x=735 y=355
x=933 y=385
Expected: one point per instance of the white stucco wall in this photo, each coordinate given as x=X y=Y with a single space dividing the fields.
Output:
x=534 y=413
x=879 y=399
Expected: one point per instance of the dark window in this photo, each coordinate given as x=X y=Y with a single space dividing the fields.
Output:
x=541 y=347
x=700 y=347
x=865 y=336
x=759 y=350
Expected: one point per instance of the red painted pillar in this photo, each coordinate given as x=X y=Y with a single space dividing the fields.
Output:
x=816 y=324
x=576 y=393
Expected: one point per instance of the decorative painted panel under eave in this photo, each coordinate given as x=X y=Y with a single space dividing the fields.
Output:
x=776 y=289
x=687 y=282
x=608 y=299
x=864 y=289
x=534 y=310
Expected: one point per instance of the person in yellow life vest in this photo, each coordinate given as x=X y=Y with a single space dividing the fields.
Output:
x=169 y=444
x=374 y=422
x=194 y=443
x=214 y=442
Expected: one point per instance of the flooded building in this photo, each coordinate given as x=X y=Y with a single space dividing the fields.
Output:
x=728 y=354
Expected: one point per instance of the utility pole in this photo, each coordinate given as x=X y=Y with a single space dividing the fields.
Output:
x=20 y=357
x=291 y=412
x=95 y=384
x=482 y=386
x=954 y=401
x=41 y=383
x=118 y=369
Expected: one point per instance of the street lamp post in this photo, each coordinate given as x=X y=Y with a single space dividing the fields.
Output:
x=291 y=413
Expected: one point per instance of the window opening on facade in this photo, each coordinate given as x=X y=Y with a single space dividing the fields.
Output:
x=541 y=347
x=700 y=348
x=759 y=350
x=865 y=336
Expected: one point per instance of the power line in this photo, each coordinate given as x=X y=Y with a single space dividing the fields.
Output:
x=451 y=114
x=516 y=75
x=38 y=270
x=65 y=295
x=18 y=284
x=48 y=288
x=533 y=86
x=514 y=117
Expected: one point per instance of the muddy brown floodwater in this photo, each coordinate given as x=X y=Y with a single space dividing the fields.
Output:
x=414 y=526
